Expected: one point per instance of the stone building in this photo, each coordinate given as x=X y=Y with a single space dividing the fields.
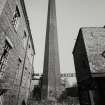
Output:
x=89 y=60
x=16 y=53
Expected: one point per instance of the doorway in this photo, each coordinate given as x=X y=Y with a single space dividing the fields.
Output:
x=97 y=95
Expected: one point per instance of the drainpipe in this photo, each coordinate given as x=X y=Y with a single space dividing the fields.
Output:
x=31 y=78
x=23 y=69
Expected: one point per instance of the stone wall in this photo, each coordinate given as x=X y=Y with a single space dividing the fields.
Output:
x=19 y=68
x=89 y=60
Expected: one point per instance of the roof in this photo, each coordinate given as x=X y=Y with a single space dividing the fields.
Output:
x=27 y=22
x=81 y=30
x=76 y=42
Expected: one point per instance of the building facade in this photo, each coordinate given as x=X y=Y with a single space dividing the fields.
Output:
x=51 y=70
x=89 y=60
x=16 y=53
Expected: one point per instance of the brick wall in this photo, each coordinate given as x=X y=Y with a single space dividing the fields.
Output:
x=13 y=71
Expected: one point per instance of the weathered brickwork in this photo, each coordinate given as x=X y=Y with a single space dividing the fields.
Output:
x=14 y=28
x=94 y=39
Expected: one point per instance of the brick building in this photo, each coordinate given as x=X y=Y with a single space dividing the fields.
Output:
x=16 y=53
x=89 y=60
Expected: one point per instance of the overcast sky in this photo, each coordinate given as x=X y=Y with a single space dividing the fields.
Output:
x=71 y=15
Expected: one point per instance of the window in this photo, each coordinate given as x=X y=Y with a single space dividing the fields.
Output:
x=103 y=54
x=26 y=68
x=16 y=17
x=29 y=45
x=4 y=56
x=25 y=35
x=24 y=39
x=19 y=60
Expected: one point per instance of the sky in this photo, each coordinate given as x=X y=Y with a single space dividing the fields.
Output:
x=71 y=15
